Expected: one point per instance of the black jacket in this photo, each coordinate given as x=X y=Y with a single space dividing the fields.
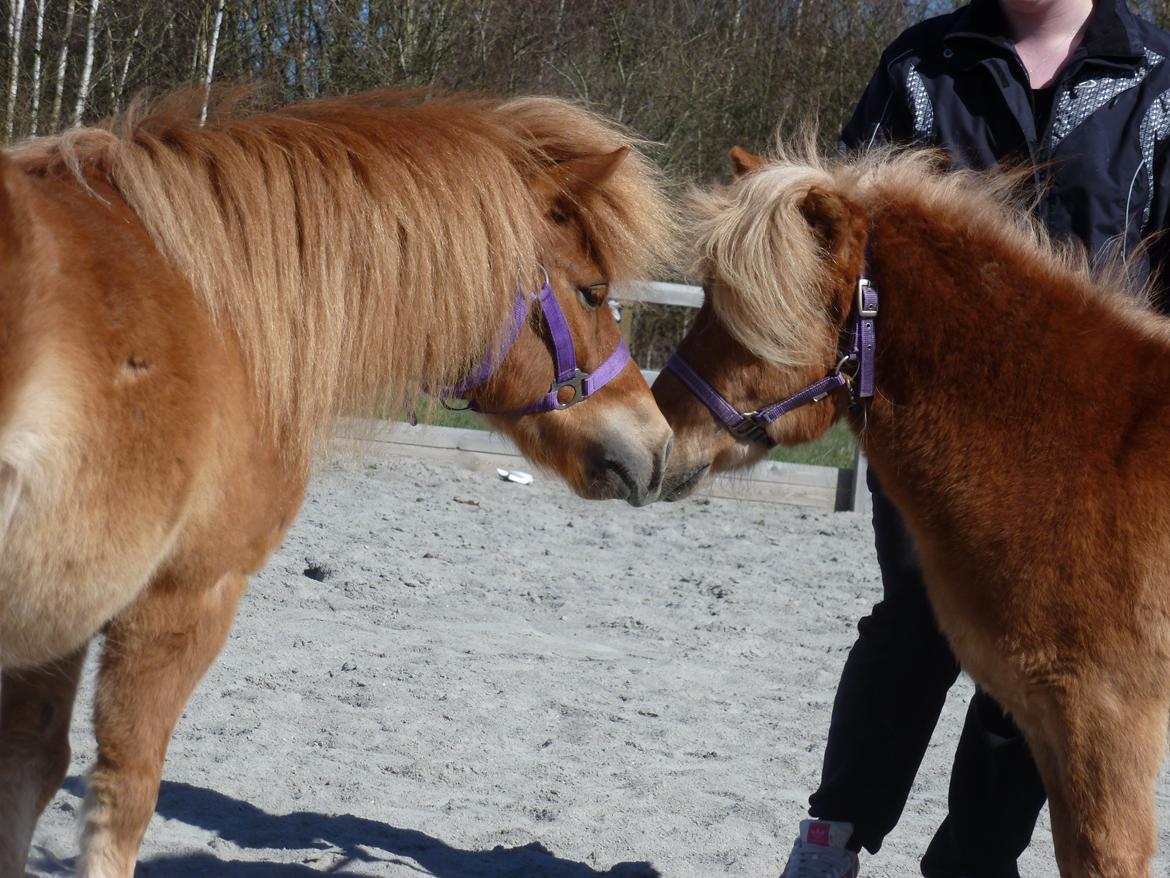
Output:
x=1102 y=157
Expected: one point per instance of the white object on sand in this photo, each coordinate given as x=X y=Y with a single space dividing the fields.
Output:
x=514 y=476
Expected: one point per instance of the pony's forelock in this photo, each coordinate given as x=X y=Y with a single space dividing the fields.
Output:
x=634 y=227
x=763 y=262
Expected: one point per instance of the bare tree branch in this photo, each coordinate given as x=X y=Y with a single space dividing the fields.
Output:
x=87 y=64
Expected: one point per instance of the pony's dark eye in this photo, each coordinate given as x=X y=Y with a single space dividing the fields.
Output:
x=594 y=295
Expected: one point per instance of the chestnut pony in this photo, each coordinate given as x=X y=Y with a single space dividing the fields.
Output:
x=1019 y=419
x=185 y=307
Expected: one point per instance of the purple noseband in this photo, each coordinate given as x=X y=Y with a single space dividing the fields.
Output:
x=753 y=425
x=567 y=374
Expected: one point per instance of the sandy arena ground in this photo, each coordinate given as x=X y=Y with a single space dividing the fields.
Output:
x=505 y=681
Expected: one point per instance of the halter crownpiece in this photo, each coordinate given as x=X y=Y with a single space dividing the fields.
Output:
x=566 y=371
x=753 y=426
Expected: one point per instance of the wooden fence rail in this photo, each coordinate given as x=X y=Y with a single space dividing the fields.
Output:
x=819 y=487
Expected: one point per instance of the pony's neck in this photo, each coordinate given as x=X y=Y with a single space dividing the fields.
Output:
x=994 y=359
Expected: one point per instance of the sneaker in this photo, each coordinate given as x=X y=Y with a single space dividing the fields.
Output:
x=820 y=851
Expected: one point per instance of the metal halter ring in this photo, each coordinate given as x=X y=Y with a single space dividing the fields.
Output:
x=577 y=383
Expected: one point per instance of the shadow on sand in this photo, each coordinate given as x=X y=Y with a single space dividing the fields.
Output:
x=349 y=840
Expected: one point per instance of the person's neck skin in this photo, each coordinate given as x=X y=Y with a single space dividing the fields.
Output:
x=1046 y=33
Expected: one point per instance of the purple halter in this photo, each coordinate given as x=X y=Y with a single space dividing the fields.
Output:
x=754 y=425
x=567 y=374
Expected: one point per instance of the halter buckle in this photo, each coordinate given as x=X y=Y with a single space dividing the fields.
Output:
x=749 y=428
x=863 y=284
x=575 y=381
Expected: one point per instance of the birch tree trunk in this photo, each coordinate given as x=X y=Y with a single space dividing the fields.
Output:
x=87 y=65
x=62 y=63
x=123 y=74
x=300 y=54
x=15 y=28
x=111 y=70
x=555 y=46
x=199 y=56
x=323 y=46
x=35 y=108
x=211 y=61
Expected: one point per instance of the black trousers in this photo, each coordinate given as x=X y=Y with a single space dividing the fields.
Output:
x=888 y=702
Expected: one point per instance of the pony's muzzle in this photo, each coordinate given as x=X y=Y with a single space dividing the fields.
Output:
x=681 y=485
x=632 y=471
x=644 y=493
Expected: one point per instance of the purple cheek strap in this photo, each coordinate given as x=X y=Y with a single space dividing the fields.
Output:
x=566 y=371
x=753 y=426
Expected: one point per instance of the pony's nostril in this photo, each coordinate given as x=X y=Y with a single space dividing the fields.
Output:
x=658 y=471
x=619 y=470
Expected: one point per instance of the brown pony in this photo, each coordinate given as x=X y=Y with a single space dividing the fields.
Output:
x=1020 y=422
x=184 y=309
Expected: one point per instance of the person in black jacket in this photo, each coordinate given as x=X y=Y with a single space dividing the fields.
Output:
x=1081 y=90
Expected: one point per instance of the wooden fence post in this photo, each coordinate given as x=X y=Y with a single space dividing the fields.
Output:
x=862 y=502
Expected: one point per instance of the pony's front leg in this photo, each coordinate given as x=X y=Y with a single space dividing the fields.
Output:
x=154 y=654
x=1099 y=755
x=36 y=706
x=1059 y=818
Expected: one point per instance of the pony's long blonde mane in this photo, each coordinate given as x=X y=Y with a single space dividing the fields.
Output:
x=360 y=248
x=754 y=236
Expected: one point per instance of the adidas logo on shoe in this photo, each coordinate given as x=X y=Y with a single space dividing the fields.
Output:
x=820 y=852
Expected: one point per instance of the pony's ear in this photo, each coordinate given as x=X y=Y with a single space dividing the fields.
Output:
x=840 y=228
x=744 y=162
x=578 y=178
x=832 y=220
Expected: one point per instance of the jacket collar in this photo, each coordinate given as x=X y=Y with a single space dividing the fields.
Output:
x=1111 y=38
